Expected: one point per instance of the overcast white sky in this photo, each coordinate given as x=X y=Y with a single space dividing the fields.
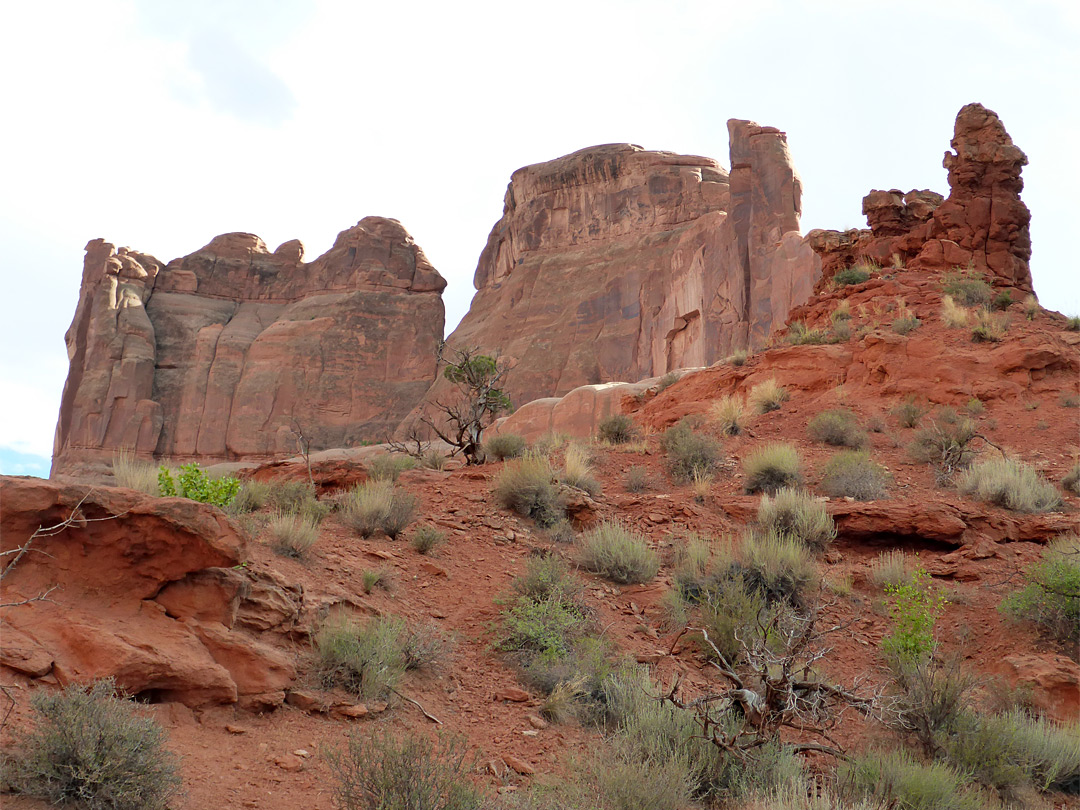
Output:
x=159 y=124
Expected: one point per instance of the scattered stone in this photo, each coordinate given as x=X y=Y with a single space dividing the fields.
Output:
x=306 y=701
x=530 y=732
x=431 y=568
x=519 y=765
x=289 y=762
x=536 y=721
x=513 y=694
x=354 y=712
x=235 y=729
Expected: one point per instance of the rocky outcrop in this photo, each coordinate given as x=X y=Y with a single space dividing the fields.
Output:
x=145 y=590
x=617 y=263
x=983 y=223
x=233 y=351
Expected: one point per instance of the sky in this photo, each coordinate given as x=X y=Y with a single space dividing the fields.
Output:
x=158 y=125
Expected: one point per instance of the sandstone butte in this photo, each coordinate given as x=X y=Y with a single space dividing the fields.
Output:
x=233 y=351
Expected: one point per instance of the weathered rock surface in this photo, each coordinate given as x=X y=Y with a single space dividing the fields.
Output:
x=229 y=352
x=617 y=263
x=983 y=223
x=139 y=589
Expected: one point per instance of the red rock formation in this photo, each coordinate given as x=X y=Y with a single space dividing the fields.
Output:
x=140 y=589
x=225 y=353
x=616 y=263
x=982 y=224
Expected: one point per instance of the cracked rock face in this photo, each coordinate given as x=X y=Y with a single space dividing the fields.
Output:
x=228 y=353
x=618 y=263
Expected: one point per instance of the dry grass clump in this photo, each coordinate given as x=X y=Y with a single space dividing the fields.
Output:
x=777 y=566
x=891 y=568
x=968 y=287
x=1072 y=323
x=796 y=514
x=898 y=780
x=689 y=452
x=772 y=468
x=427 y=538
x=856 y=274
x=387 y=467
x=1071 y=480
x=1031 y=307
x=368 y=658
x=701 y=485
x=738 y=358
x=909 y=412
x=990 y=327
x=134 y=474
x=853 y=474
x=617 y=553
x=527 y=486
x=767 y=396
x=842 y=312
x=905 y=321
x=292 y=535
x=838 y=427
x=799 y=334
x=953 y=315
x=637 y=479
x=504 y=446
x=378 y=506
x=727 y=412
x=1010 y=484
x=577 y=470
x=946 y=444
x=616 y=429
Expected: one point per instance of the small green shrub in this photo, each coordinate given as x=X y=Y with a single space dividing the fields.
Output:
x=1047 y=754
x=689 y=452
x=368 y=659
x=1051 y=597
x=967 y=287
x=901 y=782
x=388 y=467
x=945 y=444
x=548 y=576
x=373 y=578
x=727 y=413
x=545 y=626
x=800 y=335
x=252 y=496
x=914 y=609
x=795 y=513
x=837 y=427
x=666 y=381
x=504 y=446
x=616 y=429
x=92 y=749
x=527 y=486
x=134 y=474
x=975 y=406
x=194 y=483
x=852 y=275
x=378 y=506
x=427 y=538
x=617 y=553
x=381 y=772
x=738 y=358
x=1072 y=323
x=728 y=611
x=1071 y=480
x=637 y=479
x=289 y=496
x=1002 y=301
x=906 y=323
x=433 y=459
x=772 y=468
x=891 y=569
x=577 y=470
x=909 y=412
x=990 y=327
x=776 y=566
x=292 y=535
x=853 y=474
x=766 y=396
x=1012 y=485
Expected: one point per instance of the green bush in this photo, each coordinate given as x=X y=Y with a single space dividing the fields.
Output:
x=637 y=479
x=1071 y=480
x=852 y=474
x=1051 y=597
x=689 y=452
x=293 y=535
x=795 y=513
x=381 y=772
x=837 y=427
x=95 y=750
x=1047 y=754
x=914 y=609
x=1072 y=323
x=252 y=496
x=1012 y=485
x=906 y=324
x=967 y=287
x=1002 y=301
x=777 y=567
x=945 y=444
x=378 y=506
x=617 y=553
x=728 y=610
x=548 y=576
x=772 y=468
x=426 y=538
x=388 y=467
x=852 y=275
x=909 y=412
x=504 y=446
x=527 y=486
x=368 y=659
x=990 y=327
x=544 y=626
x=903 y=783
x=194 y=483
x=800 y=335
x=616 y=429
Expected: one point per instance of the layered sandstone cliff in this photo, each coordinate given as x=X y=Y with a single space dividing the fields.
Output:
x=233 y=351
x=617 y=263
x=983 y=224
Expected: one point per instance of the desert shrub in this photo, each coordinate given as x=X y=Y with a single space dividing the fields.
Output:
x=368 y=658
x=1072 y=323
x=990 y=327
x=727 y=413
x=389 y=466
x=967 y=287
x=801 y=335
x=1002 y=301
x=909 y=412
x=618 y=553
x=577 y=470
x=728 y=610
x=905 y=322
x=426 y=647
x=616 y=429
x=433 y=459
x=701 y=485
x=906 y=784
x=504 y=446
x=381 y=772
x=527 y=486
x=689 y=452
x=891 y=568
x=193 y=482
x=426 y=538
x=853 y=474
x=738 y=358
x=637 y=479
x=771 y=468
x=90 y=748
x=975 y=406
x=914 y=608
x=134 y=474
x=1069 y=400
x=373 y=578
x=1071 y=480
x=795 y=513
x=251 y=497
x=1012 y=485
x=1047 y=754
x=841 y=332
x=543 y=627
x=288 y=496
x=837 y=427
x=666 y=381
x=777 y=567
x=1051 y=597
x=292 y=535
x=767 y=396
x=842 y=312
x=545 y=577
x=1031 y=307
x=932 y=699
x=953 y=315
x=852 y=275
x=946 y=444
x=378 y=506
